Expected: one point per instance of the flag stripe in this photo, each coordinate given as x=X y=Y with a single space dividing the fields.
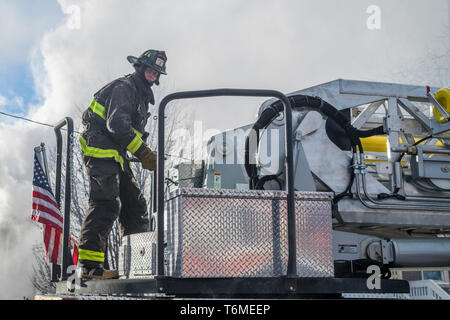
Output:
x=43 y=220
x=46 y=236
x=48 y=242
x=55 y=254
x=42 y=208
x=44 y=217
x=44 y=192
x=40 y=195
x=54 y=211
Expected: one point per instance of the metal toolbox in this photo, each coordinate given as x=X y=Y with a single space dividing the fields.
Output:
x=235 y=233
x=137 y=255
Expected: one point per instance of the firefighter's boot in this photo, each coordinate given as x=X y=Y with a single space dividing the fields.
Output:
x=98 y=273
x=89 y=270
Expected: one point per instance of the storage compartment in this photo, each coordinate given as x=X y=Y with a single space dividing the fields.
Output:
x=238 y=233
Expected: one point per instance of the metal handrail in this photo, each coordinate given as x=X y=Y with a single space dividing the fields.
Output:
x=292 y=264
x=67 y=195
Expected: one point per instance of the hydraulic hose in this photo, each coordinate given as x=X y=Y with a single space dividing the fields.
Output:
x=267 y=116
x=359 y=170
x=300 y=102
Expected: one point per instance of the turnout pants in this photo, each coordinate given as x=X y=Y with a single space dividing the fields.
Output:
x=113 y=194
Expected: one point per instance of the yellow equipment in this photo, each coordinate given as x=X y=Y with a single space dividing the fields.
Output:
x=443 y=97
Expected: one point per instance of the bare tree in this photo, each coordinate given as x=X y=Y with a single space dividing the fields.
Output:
x=41 y=278
x=433 y=66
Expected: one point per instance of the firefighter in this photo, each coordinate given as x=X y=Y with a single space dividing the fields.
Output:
x=115 y=123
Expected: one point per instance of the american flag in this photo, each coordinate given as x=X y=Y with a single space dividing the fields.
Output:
x=46 y=211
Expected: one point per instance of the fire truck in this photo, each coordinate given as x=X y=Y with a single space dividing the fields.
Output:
x=263 y=216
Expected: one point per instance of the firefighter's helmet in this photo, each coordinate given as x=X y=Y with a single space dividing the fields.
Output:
x=151 y=58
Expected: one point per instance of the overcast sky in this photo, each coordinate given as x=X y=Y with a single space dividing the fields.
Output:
x=56 y=54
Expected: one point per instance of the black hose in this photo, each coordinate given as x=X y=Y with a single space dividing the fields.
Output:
x=415 y=144
x=348 y=191
x=436 y=186
x=260 y=184
x=302 y=101
x=369 y=133
x=267 y=116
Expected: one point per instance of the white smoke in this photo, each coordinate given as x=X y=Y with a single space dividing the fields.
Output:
x=281 y=45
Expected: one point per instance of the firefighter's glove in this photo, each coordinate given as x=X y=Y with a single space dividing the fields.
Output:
x=148 y=159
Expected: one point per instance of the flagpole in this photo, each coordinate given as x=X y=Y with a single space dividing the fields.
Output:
x=44 y=160
x=67 y=194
